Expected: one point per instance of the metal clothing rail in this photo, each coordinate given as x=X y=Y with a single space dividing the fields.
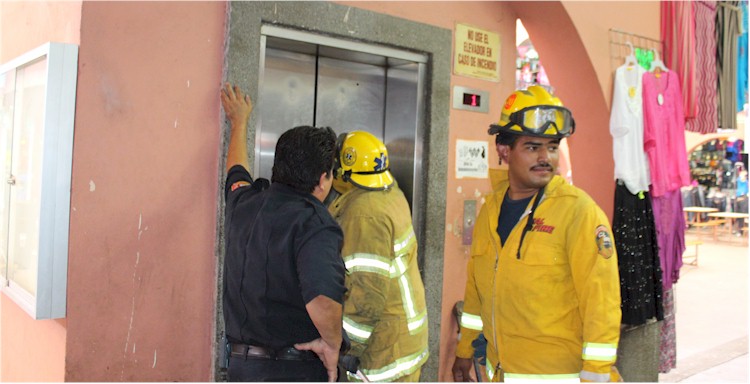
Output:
x=641 y=37
x=619 y=48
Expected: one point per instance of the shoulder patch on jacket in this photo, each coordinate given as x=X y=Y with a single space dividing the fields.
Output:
x=604 y=242
x=238 y=185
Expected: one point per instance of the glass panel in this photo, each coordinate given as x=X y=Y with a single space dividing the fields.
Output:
x=26 y=168
x=7 y=92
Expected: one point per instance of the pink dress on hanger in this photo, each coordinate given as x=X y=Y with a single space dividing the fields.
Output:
x=664 y=132
x=664 y=143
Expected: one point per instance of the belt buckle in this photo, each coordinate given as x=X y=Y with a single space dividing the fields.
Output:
x=251 y=351
x=291 y=353
x=288 y=354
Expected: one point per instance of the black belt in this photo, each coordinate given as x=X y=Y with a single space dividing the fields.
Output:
x=255 y=352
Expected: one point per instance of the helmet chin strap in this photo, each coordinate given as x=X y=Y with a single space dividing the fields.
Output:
x=347 y=177
x=383 y=188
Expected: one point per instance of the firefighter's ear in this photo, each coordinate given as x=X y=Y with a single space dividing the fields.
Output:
x=502 y=152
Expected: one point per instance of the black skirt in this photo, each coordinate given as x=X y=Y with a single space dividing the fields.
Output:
x=637 y=257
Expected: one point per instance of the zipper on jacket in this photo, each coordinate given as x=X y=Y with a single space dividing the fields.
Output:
x=494 y=290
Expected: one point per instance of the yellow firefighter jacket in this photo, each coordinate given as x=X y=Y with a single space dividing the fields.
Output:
x=554 y=313
x=385 y=315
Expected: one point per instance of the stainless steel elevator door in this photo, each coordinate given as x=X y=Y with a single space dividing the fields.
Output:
x=308 y=84
x=351 y=96
x=287 y=100
x=400 y=134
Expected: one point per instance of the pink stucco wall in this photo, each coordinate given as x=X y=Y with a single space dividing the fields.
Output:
x=25 y=25
x=594 y=19
x=142 y=281
x=33 y=350
x=30 y=350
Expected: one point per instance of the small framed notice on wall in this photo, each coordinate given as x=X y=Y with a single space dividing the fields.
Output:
x=471 y=159
x=476 y=53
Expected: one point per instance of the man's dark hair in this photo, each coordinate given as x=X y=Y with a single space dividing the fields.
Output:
x=508 y=139
x=302 y=154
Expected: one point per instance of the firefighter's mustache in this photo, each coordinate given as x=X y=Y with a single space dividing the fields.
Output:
x=542 y=167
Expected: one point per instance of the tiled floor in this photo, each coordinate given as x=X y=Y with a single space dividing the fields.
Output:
x=712 y=313
x=733 y=371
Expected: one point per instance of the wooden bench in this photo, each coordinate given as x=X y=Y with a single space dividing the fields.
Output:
x=692 y=259
x=710 y=223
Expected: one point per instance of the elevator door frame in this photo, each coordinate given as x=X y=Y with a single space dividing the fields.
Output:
x=242 y=45
x=421 y=60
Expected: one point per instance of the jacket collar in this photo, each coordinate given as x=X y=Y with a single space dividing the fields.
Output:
x=498 y=177
x=289 y=190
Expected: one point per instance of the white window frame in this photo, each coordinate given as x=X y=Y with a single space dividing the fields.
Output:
x=56 y=158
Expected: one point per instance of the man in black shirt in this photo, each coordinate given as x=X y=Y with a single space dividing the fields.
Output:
x=283 y=273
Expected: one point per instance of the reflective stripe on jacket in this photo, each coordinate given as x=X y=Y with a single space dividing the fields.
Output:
x=385 y=314
x=555 y=312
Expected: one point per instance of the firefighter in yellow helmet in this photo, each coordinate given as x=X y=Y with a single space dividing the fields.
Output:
x=385 y=315
x=543 y=284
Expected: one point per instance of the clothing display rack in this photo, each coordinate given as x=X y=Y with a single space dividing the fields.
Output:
x=619 y=48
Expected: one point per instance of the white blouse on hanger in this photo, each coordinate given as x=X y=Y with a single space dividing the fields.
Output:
x=626 y=128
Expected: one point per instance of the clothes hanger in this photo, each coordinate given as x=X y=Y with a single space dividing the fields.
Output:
x=657 y=64
x=630 y=60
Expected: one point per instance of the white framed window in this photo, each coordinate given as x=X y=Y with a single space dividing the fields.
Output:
x=37 y=113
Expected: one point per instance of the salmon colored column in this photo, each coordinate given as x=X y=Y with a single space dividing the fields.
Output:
x=142 y=267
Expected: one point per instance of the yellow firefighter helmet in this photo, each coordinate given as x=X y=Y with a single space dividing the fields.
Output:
x=534 y=112
x=361 y=161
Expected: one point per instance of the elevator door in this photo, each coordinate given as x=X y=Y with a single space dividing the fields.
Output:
x=308 y=83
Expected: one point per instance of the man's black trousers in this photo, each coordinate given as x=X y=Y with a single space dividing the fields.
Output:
x=241 y=369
